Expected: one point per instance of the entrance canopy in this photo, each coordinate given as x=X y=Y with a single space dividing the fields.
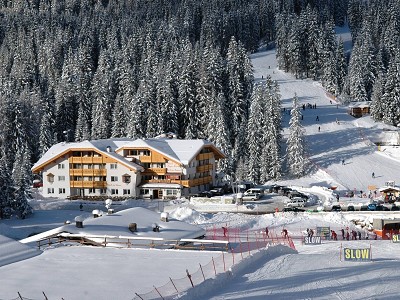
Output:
x=160 y=186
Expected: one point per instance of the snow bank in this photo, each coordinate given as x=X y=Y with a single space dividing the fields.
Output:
x=12 y=251
x=210 y=286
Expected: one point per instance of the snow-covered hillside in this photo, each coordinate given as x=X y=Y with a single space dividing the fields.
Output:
x=312 y=271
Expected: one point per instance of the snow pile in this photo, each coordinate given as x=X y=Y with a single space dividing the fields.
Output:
x=186 y=214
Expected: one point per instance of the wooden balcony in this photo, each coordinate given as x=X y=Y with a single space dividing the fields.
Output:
x=203 y=156
x=200 y=181
x=184 y=183
x=155 y=171
x=88 y=184
x=88 y=172
x=204 y=168
x=86 y=160
x=145 y=159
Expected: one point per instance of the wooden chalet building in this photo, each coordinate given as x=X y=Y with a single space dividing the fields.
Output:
x=161 y=167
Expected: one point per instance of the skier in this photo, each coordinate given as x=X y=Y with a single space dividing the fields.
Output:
x=317 y=119
x=359 y=235
x=373 y=175
x=225 y=230
x=342 y=161
x=319 y=129
x=342 y=233
x=266 y=232
x=285 y=233
x=81 y=207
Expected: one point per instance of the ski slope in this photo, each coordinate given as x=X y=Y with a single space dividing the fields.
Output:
x=349 y=139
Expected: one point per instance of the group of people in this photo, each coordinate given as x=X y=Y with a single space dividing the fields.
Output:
x=310 y=232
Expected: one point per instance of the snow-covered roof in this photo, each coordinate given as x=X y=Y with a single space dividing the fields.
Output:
x=360 y=105
x=117 y=225
x=389 y=188
x=100 y=146
x=178 y=150
x=12 y=251
x=182 y=151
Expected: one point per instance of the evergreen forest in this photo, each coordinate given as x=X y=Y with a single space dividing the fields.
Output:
x=74 y=70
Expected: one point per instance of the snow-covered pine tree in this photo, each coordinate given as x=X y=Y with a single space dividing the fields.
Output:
x=295 y=152
x=255 y=135
x=218 y=132
x=103 y=92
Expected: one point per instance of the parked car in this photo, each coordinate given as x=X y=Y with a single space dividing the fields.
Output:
x=350 y=208
x=296 y=202
x=254 y=191
x=336 y=208
x=217 y=191
x=395 y=208
x=294 y=209
x=293 y=194
x=371 y=207
x=205 y=194
x=250 y=197
x=275 y=188
x=284 y=191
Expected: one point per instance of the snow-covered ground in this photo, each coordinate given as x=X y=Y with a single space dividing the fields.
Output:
x=278 y=272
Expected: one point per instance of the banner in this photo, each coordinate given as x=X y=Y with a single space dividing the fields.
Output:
x=324 y=231
x=357 y=254
x=396 y=238
x=312 y=240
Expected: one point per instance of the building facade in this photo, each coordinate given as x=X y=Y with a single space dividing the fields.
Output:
x=162 y=167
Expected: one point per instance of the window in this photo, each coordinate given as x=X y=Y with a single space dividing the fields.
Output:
x=50 y=191
x=171 y=192
x=61 y=166
x=91 y=191
x=114 y=192
x=61 y=178
x=126 y=178
x=114 y=178
x=127 y=192
x=61 y=191
x=50 y=178
x=102 y=191
x=144 y=191
x=113 y=166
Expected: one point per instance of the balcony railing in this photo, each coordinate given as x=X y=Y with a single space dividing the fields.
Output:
x=88 y=184
x=88 y=172
x=184 y=183
x=86 y=160
x=154 y=171
x=203 y=156
x=204 y=168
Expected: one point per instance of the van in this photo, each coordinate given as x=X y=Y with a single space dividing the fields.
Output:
x=257 y=191
x=296 y=202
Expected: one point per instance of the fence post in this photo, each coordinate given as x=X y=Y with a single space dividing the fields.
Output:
x=138 y=296
x=215 y=270
x=202 y=272
x=248 y=244
x=241 y=251
x=174 y=285
x=158 y=292
x=255 y=234
x=19 y=295
x=190 y=277
x=223 y=259
x=45 y=297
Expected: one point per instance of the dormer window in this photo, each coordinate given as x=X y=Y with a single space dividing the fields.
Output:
x=126 y=178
